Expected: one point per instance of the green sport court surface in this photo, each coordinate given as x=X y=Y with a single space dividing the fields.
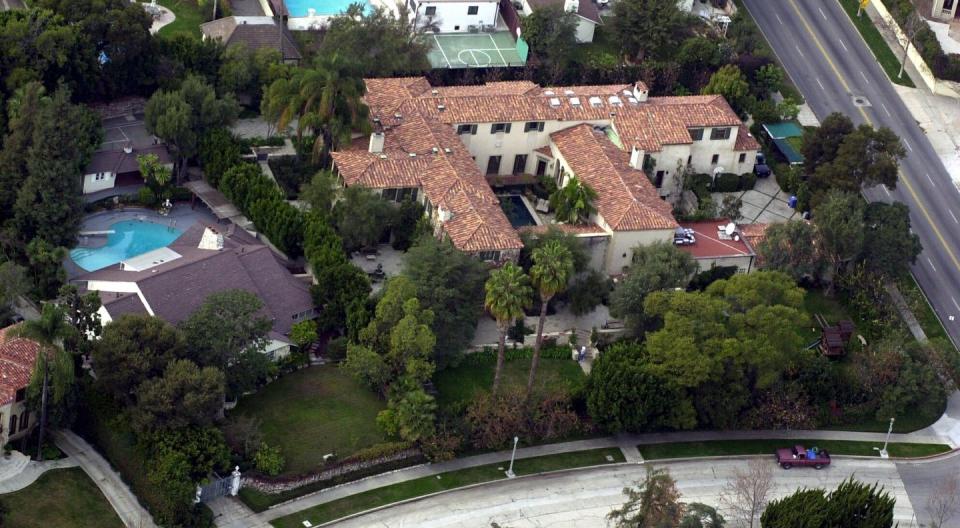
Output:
x=475 y=50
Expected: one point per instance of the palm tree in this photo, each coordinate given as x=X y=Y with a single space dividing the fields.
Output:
x=551 y=270
x=574 y=203
x=508 y=293
x=54 y=367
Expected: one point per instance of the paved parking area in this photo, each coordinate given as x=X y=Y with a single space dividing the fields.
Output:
x=764 y=204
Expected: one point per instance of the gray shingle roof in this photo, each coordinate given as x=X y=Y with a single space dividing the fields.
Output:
x=253 y=32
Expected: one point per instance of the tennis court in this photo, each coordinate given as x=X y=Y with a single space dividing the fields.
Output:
x=475 y=50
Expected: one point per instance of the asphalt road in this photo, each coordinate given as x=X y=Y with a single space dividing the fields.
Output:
x=582 y=498
x=832 y=66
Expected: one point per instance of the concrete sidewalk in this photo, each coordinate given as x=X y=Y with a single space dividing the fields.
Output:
x=114 y=489
x=31 y=472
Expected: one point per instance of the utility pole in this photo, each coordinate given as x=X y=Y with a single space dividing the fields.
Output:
x=513 y=455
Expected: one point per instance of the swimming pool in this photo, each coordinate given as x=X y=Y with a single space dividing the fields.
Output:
x=516 y=210
x=301 y=8
x=127 y=239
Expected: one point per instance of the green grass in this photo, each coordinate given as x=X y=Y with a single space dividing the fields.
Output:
x=815 y=302
x=446 y=481
x=312 y=412
x=459 y=384
x=885 y=56
x=763 y=447
x=65 y=498
x=921 y=308
x=188 y=14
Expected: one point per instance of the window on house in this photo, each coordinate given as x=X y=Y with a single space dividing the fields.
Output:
x=473 y=10
x=430 y=10
x=389 y=194
x=720 y=133
x=21 y=395
x=493 y=165
x=520 y=164
x=498 y=128
x=467 y=129
x=533 y=126
x=715 y=159
x=689 y=160
x=24 y=420
x=13 y=425
x=489 y=256
x=541 y=167
x=658 y=180
x=743 y=157
x=696 y=133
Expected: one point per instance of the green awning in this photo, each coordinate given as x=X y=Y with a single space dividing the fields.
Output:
x=785 y=148
x=783 y=130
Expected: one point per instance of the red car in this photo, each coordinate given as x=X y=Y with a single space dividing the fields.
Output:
x=797 y=455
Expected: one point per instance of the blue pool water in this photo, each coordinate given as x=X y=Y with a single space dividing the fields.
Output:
x=298 y=8
x=129 y=239
x=516 y=210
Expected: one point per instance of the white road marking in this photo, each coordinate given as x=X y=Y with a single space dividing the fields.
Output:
x=821 y=84
x=955 y=303
x=779 y=19
x=931 y=265
x=885 y=110
x=907 y=144
x=824 y=15
x=929 y=179
x=864 y=77
x=800 y=51
x=884 y=187
x=953 y=216
x=844 y=45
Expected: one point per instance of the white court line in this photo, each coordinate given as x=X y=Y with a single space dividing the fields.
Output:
x=443 y=52
x=905 y=142
x=844 y=45
x=864 y=75
x=885 y=110
x=800 y=51
x=821 y=84
x=953 y=216
x=503 y=60
x=931 y=264
x=929 y=179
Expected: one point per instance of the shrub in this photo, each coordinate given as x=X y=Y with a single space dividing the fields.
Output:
x=146 y=197
x=589 y=291
x=726 y=182
x=494 y=420
x=269 y=459
x=336 y=349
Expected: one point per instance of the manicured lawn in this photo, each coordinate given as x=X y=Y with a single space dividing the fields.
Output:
x=312 y=412
x=64 y=498
x=885 y=56
x=917 y=419
x=189 y=17
x=921 y=308
x=459 y=384
x=763 y=447
x=446 y=481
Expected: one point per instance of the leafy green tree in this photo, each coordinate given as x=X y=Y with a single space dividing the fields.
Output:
x=269 y=459
x=156 y=176
x=46 y=266
x=655 y=267
x=409 y=417
x=22 y=113
x=409 y=222
x=83 y=313
x=361 y=217
x=866 y=156
x=653 y=503
x=550 y=273
x=768 y=79
x=625 y=394
x=41 y=46
x=218 y=151
x=853 y=504
x=698 y=515
x=367 y=367
x=303 y=333
x=574 y=203
x=552 y=33
x=450 y=283
x=181 y=117
x=186 y=395
x=697 y=57
x=553 y=234
x=648 y=27
x=219 y=333
x=320 y=193
x=14 y=282
x=791 y=247
x=379 y=43
x=889 y=246
x=52 y=382
x=820 y=144
x=338 y=287
x=729 y=82
x=840 y=230
x=806 y=508
x=508 y=292
x=133 y=349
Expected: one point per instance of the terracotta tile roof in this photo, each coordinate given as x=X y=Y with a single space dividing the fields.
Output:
x=626 y=199
x=710 y=244
x=666 y=120
x=754 y=235
x=17 y=358
x=745 y=140
x=545 y=150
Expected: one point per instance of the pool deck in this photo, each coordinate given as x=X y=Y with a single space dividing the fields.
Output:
x=181 y=216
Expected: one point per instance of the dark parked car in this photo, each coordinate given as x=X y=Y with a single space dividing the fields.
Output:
x=797 y=455
x=760 y=168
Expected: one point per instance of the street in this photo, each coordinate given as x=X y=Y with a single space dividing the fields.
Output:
x=836 y=72
x=583 y=498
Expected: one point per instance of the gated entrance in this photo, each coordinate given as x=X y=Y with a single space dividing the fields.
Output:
x=219 y=487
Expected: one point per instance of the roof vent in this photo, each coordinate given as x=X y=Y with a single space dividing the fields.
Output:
x=211 y=239
x=628 y=93
x=398 y=115
x=575 y=101
x=568 y=92
x=376 y=119
x=383 y=156
x=435 y=150
x=596 y=102
x=548 y=93
x=632 y=100
x=412 y=154
x=447 y=150
x=128 y=148
x=441 y=107
x=435 y=91
x=614 y=100
x=555 y=102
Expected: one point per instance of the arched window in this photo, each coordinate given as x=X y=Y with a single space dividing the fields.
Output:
x=13 y=425
x=24 y=420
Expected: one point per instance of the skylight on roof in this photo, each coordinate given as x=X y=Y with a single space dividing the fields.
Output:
x=554 y=102
x=633 y=100
x=575 y=101
x=568 y=92
x=596 y=102
x=548 y=92
x=615 y=101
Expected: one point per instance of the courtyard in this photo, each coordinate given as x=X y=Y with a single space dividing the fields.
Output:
x=766 y=203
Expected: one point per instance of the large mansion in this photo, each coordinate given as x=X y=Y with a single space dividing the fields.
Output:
x=446 y=146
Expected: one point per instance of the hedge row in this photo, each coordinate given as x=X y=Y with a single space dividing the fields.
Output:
x=262 y=201
x=702 y=184
x=489 y=355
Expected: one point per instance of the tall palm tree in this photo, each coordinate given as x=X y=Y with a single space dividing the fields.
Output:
x=508 y=293
x=54 y=367
x=574 y=203
x=551 y=270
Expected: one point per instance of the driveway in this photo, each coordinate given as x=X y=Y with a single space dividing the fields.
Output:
x=582 y=498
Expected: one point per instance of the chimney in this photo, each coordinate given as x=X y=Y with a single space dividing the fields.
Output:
x=128 y=149
x=571 y=6
x=636 y=158
x=376 y=142
x=640 y=91
x=211 y=239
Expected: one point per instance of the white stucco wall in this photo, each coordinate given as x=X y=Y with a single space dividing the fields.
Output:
x=18 y=409
x=585 y=29
x=91 y=184
x=620 y=251
x=452 y=17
